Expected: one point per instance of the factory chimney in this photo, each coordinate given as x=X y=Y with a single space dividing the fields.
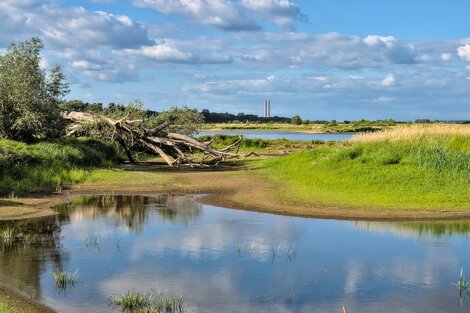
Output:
x=267 y=108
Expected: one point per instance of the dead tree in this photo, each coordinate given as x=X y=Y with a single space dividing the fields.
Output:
x=175 y=149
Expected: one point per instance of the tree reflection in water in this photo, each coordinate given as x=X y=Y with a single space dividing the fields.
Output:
x=28 y=248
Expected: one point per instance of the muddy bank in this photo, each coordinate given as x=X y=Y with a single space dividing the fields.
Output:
x=232 y=186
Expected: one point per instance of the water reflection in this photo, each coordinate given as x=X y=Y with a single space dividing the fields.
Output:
x=419 y=229
x=24 y=241
x=224 y=260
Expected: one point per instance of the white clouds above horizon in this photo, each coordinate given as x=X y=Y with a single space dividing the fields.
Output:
x=229 y=15
x=239 y=65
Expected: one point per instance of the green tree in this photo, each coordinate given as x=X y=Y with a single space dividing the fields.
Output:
x=29 y=98
x=296 y=120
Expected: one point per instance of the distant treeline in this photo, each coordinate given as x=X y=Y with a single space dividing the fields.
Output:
x=215 y=117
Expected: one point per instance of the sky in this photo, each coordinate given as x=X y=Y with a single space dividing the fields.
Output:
x=336 y=59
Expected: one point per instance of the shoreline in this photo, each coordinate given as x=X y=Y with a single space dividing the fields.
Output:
x=16 y=302
x=228 y=187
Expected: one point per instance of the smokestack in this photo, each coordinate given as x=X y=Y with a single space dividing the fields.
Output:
x=269 y=108
x=265 y=107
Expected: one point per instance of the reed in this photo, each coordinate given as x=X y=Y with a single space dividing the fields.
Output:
x=93 y=241
x=291 y=253
x=135 y=302
x=414 y=132
x=63 y=279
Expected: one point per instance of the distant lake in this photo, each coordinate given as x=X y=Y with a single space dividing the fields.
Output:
x=279 y=134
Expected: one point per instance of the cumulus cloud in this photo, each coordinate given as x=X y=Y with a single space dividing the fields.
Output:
x=229 y=15
x=71 y=26
x=379 y=41
x=464 y=52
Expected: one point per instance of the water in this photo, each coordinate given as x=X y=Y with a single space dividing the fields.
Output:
x=224 y=260
x=279 y=134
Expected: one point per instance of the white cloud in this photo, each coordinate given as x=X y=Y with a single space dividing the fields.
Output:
x=229 y=15
x=384 y=99
x=464 y=52
x=162 y=52
x=222 y=14
x=446 y=56
x=71 y=26
x=379 y=41
x=389 y=80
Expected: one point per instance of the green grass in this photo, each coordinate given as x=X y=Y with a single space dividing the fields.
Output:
x=432 y=172
x=63 y=279
x=134 y=302
x=49 y=166
x=249 y=144
x=3 y=308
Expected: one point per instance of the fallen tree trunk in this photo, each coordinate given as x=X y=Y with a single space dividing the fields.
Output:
x=173 y=148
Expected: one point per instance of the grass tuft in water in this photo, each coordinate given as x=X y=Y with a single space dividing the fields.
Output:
x=93 y=241
x=135 y=302
x=291 y=253
x=63 y=279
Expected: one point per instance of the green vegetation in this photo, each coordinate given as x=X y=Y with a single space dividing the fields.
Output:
x=29 y=99
x=3 y=308
x=50 y=166
x=463 y=284
x=296 y=120
x=260 y=144
x=429 y=171
x=63 y=279
x=134 y=302
x=357 y=126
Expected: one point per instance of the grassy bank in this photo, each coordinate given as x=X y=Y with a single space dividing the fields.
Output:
x=49 y=166
x=316 y=128
x=327 y=127
x=414 y=167
x=263 y=146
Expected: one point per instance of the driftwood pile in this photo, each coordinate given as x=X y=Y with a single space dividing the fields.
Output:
x=176 y=150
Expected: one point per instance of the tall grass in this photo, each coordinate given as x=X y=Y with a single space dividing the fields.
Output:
x=134 y=302
x=63 y=279
x=415 y=132
x=407 y=167
x=50 y=165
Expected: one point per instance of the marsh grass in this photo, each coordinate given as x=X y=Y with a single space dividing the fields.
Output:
x=404 y=168
x=463 y=285
x=63 y=279
x=50 y=166
x=6 y=235
x=135 y=302
x=414 y=132
x=275 y=253
x=93 y=241
x=291 y=253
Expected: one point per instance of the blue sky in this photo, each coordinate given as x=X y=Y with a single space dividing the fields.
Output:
x=337 y=59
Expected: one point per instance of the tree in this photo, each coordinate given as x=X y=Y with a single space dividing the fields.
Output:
x=296 y=120
x=29 y=99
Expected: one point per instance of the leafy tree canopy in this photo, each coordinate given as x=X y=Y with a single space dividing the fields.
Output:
x=30 y=97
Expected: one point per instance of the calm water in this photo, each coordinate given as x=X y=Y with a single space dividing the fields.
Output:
x=279 y=134
x=224 y=260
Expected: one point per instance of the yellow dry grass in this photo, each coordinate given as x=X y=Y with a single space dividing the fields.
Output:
x=413 y=132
